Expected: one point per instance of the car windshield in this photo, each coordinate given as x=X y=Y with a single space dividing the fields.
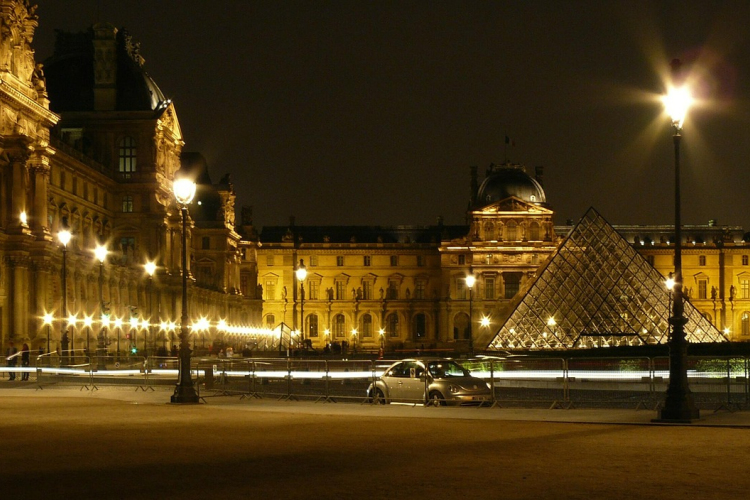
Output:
x=447 y=369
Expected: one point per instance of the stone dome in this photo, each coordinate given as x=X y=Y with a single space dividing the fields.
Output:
x=504 y=181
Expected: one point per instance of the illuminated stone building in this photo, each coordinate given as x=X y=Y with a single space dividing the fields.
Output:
x=404 y=287
x=89 y=143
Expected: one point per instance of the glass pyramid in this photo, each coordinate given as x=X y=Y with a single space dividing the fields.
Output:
x=596 y=291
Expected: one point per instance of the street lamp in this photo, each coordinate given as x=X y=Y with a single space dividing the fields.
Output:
x=118 y=326
x=100 y=252
x=150 y=267
x=301 y=275
x=88 y=321
x=679 y=405
x=470 y=281
x=134 y=340
x=184 y=191
x=64 y=237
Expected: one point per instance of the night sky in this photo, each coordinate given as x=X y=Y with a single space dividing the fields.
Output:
x=361 y=112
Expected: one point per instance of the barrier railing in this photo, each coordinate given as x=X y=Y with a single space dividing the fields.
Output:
x=718 y=383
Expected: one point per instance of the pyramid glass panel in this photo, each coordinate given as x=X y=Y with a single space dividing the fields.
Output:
x=600 y=292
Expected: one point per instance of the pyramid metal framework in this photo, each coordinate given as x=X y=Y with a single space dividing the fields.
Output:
x=596 y=291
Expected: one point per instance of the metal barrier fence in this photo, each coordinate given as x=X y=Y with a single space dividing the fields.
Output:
x=637 y=382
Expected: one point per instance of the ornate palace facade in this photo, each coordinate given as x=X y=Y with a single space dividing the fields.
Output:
x=88 y=143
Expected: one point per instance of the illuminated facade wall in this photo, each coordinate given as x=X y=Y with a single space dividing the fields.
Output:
x=101 y=165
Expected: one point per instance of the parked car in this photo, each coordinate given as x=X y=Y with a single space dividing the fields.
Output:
x=430 y=381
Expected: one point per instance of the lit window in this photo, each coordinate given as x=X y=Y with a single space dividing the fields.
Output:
x=365 y=326
x=367 y=290
x=340 y=290
x=745 y=289
x=127 y=204
x=312 y=325
x=489 y=288
x=702 y=289
x=339 y=326
x=270 y=290
x=127 y=156
x=419 y=289
x=314 y=290
x=391 y=325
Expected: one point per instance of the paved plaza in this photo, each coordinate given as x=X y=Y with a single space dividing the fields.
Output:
x=119 y=443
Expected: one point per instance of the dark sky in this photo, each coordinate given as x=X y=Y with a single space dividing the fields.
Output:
x=360 y=112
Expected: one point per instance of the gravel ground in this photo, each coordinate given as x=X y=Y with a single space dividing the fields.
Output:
x=117 y=443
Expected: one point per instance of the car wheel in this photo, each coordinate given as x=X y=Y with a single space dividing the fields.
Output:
x=377 y=397
x=436 y=399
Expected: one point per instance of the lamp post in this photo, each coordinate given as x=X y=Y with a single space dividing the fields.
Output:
x=301 y=275
x=88 y=321
x=679 y=405
x=150 y=270
x=118 y=326
x=470 y=281
x=184 y=191
x=101 y=347
x=47 y=319
x=64 y=237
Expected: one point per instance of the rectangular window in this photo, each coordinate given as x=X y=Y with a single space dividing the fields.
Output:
x=461 y=260
x=419 y=290
x=367 y=290
x=702 y=289
x=701 y=260
x=367 y=261
x=206 y=243
x=461 y=289
x=650 y=260
x=96 y=195
x=75 y=186
x=85 y=190
x=269 y=259
x=744 y=260
x=392 y=290
x=244 y=283
x=340 y=290
x=127 y=247
x=270 y=290
x=394 y=260
x=313 y=260
x=340 y=260
x=312 y=323
x=420 y=260
x=314 y=290
x=745 y=289
x=489 y=288
x=127 y=204
x=512 y=285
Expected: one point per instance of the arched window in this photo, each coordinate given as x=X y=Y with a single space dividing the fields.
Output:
x=391 y=325
x=511 y=231
x=534 y=232
x=270 y=321
x=339 y=326
x=420 y=326
x=745 y=323
x=127 y=156
x=461 y=326
x=312 y=325
x=365 y=326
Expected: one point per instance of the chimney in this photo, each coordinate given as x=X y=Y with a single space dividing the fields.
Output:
x=105 y=67
x=540 y=175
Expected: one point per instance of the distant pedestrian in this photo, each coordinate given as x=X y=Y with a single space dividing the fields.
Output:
x=25 y=358
x=221 y=353
x=10 y=356
x=174 y=350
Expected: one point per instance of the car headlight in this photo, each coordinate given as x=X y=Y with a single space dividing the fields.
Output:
x=453 y=388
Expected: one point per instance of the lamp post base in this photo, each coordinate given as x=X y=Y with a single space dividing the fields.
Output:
x=184 y=395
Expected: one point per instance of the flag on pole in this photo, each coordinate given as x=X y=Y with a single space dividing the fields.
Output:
x=510 y=141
